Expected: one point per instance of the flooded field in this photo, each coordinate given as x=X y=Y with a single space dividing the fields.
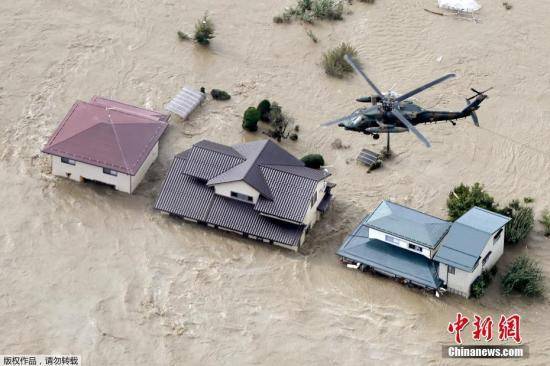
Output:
x=90 y=271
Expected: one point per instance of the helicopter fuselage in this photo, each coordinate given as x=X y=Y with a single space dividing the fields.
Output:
x=376 y=120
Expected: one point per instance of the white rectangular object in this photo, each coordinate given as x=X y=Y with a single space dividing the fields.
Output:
x=185 y=102
x=468 y=6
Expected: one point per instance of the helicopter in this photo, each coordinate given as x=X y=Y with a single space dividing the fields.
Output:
x=393 y=113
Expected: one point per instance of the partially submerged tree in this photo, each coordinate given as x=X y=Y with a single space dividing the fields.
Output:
x=250 y=119
x=524 y=276
x=265 y=108
x=462 y=198
x=310 y=10
x=204 y=30
x=480 y=285
x=521 y=223
x=279 y=123
x=334 y=62
x=314 y=161
x=218 y=94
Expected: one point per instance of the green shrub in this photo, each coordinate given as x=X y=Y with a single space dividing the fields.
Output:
x=524 y=276
x=463 y=198
x=334 y=63
x=545 y=221
x=218 y=94
x=314 y=161
x=264 y=107
x=521 y=223
x=328 y=9
x=480 y=285
x=250 y=119
x=204 y=30
x=309 y=10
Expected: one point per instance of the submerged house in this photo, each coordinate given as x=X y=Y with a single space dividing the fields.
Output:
x=255 y=189
x=424 y=250
x=106 y=141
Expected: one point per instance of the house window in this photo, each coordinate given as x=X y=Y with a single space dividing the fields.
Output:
x=418 y=248
x=68 y=161
x=486 y=258
x=110 y=172
x=497 y=235
x=313 y=199
x=391 y=239
x=242 y=197
x=451 y=270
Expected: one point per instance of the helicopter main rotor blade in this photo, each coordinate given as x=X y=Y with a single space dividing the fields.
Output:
x=424 y=87
x=358 y=70
x=411 y=128
x=473 y=115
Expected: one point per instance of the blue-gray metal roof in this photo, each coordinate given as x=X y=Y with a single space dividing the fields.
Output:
x=389 y=258
x=465 y=241
x=408 y=224
x=483 y=220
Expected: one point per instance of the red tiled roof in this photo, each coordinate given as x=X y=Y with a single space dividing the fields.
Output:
x=108 y=134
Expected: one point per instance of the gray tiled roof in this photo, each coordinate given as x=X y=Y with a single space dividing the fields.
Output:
x=285 y=184
x=291 y=195
x=408 y=224
x=260 y=154
x=206 y=163
x=389 y=258
x=185 y=193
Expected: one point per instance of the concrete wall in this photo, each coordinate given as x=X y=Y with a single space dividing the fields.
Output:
x=224 y=189
x=375 y=234
x=122 y=182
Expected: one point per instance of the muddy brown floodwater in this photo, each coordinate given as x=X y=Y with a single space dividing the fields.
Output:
x=87 y=270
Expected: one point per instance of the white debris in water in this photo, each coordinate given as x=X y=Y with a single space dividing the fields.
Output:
x=468 y=6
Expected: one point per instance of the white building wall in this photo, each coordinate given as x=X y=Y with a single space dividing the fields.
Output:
x=312 y=215
x=82 y=170
x=461 y=281
x=225 y=189
x=122 y=182
x=379 y=235
x=136 y=179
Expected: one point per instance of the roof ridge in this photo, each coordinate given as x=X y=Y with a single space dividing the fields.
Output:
x=415 y=210
x=485 y=210
x=456 y=250
x=471 y=227
x=271 y=166
x=117 y=139
x=219 y=152
x=48 y=146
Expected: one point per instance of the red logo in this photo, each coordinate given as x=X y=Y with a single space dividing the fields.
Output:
x=508 y=328
x=457 y=326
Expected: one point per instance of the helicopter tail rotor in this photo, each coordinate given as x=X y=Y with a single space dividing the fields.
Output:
x=478 y=93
